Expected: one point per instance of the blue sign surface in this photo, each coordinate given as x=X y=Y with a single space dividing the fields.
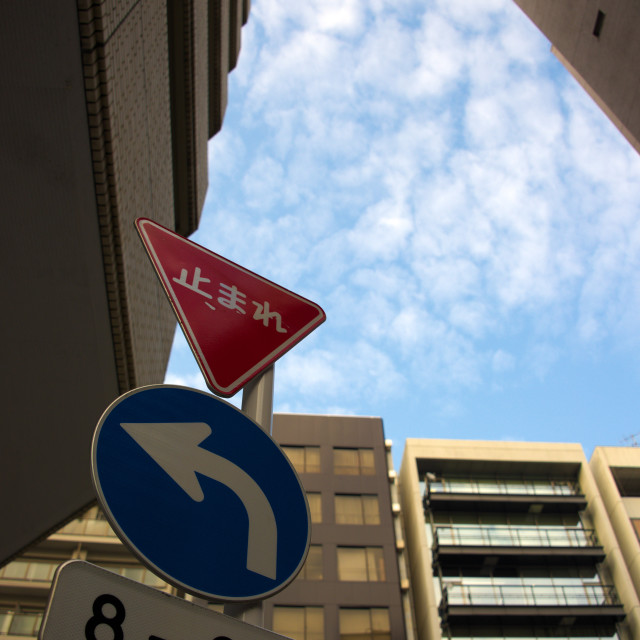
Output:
x=200 y=493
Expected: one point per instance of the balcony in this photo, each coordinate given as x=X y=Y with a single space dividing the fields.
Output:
x=538 y=604
x=485 y=494
x=515 y=544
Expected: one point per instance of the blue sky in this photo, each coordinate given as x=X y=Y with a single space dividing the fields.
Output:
x=469 y=220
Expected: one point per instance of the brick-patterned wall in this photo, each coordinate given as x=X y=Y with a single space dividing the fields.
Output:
x=126 y=68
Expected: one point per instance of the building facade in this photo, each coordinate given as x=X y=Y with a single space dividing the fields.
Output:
x=107 y=107
x=512 y=540
x=354 y=584
x=616 y=471
x=598 y=41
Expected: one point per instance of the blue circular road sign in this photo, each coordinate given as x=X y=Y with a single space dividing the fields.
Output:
x=200 y=493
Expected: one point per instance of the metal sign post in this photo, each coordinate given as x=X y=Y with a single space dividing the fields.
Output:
x=257 y=404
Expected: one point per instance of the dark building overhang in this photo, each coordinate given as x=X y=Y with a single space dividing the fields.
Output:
x=565 y=616
x=503 y=503
x=483 y=556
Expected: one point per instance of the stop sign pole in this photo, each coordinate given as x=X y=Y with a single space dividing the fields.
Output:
x=257 y=404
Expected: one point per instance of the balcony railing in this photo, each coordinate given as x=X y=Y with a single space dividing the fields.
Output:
x=586 y=595
x=514 y=536
x=503 y=486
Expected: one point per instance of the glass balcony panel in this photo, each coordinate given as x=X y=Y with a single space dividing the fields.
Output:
x=489 y=486
x=514 y=536
x=519 y=595
x=502 y=536
x=515 y=596
x=503 y=486
x=456 y=595
x=460 y=485
x=516 y=487
x=487 y=596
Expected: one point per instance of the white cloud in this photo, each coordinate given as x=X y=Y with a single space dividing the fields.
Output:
x=193 y=380
x=437 y=183
x=381 y=233
x=327 y=374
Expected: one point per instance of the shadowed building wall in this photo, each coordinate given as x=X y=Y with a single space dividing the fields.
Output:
x=107 y=106
x=598 y=41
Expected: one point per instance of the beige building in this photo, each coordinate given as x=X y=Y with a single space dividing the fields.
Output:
x=598 y=41
x=515 y=539
x=106 y=110
x=354 y=584
x=617 y=473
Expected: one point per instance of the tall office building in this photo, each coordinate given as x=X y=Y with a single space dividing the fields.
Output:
x=106 y=110
x=513 y=540
x=354 y=583
x=598 y=41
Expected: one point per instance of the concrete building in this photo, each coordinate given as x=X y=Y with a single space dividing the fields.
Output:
x=598 y=41
x=106 y=110
x=354 y=583
x=515 y=539
x=616 y=471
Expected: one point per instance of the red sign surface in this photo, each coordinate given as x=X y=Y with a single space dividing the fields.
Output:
x=236 y=322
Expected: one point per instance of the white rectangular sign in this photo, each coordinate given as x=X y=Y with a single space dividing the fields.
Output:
x=91 y=603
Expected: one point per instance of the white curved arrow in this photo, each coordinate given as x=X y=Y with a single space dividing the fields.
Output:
x=174 y=446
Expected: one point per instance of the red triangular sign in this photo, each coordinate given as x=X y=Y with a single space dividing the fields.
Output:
x=236 y=322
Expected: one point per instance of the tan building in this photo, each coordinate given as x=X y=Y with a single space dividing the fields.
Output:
x=354 y=583
x=513 y=540
x=106 y=110
x=598 y=41
x=617 y=473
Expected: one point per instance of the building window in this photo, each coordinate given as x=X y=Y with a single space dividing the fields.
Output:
x=299 y=623
x=353 y=462
x=315 y=506
x=365 y=624
x=357 y=509
x=304 y=459
x=312 y=567
x=361 y=564
x=20 y=623
x=597 y=27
